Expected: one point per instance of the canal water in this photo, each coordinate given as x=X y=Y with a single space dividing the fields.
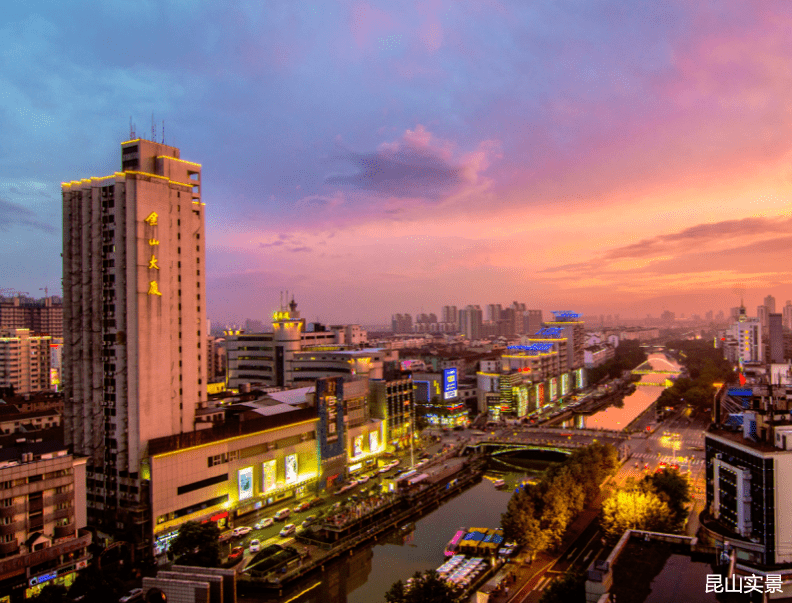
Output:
x=366 y=575
x=621 y=415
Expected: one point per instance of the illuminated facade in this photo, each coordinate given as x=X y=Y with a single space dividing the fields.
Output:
x=226 y=472
x=25 y=361
x=134 y=322
x=573 y=330
x=393 y=401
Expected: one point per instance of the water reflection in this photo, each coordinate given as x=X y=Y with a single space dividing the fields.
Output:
x=367 y=575
x=620 y=416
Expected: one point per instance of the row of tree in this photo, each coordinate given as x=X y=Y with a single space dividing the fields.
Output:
x=628 y=355
x=538 y=515
x=656 y=503
x=705 y=365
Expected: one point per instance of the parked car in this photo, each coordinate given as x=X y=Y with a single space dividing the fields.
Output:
x=236 y=553
x=363 y=479
x=242 y=531
x=395 y=462
x=282 y=514
x=384 y=469
x=255 y=545
x=264 y=523
x=303 y=506
x=136 y=594
x=316 y=502
x=288 y=530
x=308 y=521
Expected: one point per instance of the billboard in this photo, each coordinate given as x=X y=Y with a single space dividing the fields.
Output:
x=553 y=388
x=291 y=468
x=373 y=441
x=245 y=478
x=357 y=446
x=449 y=383
x=269 y=474
x=564 y=384
x=521 y=396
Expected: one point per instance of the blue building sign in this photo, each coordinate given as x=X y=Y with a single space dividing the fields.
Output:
x=449 y=383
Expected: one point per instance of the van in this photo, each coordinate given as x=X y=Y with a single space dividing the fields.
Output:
x=282 y=514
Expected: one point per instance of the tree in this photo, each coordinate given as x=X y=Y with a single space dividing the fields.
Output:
x=96 y=586
x=671 y=488
x=52 y=593
x=426 y=587
x=570 y=588
x=632 y=508
x=197 y=544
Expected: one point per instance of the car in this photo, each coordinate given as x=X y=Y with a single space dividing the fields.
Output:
x=395 y=462
x=308 y=521
x=303 y=506
x=282 y=514
x=264 y=523
x=675 y=467
x=398 y=473
x=236 y=553
x=646 y=466
x=316 y=502
x=384 y=469
x=288 y=530
x=421 y=463
x=345 y=488
x=255 y=545
x=353 y=483
x=363 y=479
x=136 y=594
x=335 y=506
x=242 y=531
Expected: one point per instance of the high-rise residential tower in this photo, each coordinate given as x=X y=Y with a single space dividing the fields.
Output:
x=134 y=322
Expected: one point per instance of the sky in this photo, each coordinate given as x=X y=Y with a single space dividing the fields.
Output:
x=372 y=157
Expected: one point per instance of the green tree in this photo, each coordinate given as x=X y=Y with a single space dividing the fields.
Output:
x=96 y=586
x=673 y=489
x=52 y=593
x=197 y=544
x=569 y=588
x=521 y=522
x=426 y=587
x=632 y=508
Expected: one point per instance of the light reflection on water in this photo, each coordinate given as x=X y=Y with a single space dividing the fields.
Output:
x=619 y=417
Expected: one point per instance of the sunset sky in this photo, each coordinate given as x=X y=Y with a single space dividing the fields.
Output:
x=378 y=157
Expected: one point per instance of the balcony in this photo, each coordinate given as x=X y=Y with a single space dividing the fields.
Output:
x=11 y=528
x=11 y=511
x=63 y=531
x=6 y=548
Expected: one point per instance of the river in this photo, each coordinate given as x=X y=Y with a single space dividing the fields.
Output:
x=619 y=417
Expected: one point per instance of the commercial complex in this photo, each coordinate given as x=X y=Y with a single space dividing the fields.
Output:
x=134 y=323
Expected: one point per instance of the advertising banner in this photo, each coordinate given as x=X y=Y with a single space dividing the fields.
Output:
x=291 y=468
x=269 y=474
x=449 y=383
x=245 y=483
x=357 y=446
x=373 y=441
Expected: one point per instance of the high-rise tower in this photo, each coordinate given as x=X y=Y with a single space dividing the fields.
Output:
x=134 y=322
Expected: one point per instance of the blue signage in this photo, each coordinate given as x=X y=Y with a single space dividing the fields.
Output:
x=566 y=315
x=534 y=347
x=550 y=333
x=449 y=383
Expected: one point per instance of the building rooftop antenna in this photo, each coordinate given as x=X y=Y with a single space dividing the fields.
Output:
x=163 y=131
x=131 y=129
x=153 y=129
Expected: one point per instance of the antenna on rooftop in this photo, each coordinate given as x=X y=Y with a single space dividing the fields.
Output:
x=131 y=129
x=163 y=131
x=153 y=129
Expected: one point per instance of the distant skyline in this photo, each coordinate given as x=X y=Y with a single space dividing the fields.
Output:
x=379 y=157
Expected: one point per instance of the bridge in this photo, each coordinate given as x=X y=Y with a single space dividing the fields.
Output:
x=545 y=438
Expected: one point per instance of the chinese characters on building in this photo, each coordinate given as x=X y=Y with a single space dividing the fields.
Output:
x=151 y=232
